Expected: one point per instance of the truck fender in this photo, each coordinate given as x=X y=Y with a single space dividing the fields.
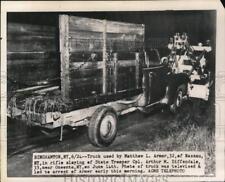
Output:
x=176 y=82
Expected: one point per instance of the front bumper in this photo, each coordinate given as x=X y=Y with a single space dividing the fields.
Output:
x=198 y=91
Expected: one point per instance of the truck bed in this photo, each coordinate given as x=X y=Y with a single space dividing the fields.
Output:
x=77 y=63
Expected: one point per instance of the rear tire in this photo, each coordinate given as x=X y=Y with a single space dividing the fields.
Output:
x=102 y=127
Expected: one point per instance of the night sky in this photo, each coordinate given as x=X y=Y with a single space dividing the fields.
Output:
x=200 y=25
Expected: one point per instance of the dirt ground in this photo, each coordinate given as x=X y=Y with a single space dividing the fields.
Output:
x=136 y=132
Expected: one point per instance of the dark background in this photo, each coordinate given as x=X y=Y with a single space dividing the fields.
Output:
x=223 y=1
x=200 y=25
x=159 y=26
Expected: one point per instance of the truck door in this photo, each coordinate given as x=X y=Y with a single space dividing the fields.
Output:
x=158 y=79
x=158 y=74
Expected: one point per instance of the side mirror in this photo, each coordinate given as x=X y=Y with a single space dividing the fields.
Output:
x=164 y=60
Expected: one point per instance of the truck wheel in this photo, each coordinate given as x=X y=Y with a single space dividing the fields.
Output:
x=102 y=127
x=177 y=101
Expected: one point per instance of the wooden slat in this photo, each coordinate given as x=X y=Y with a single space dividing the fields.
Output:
x=79 y=82
x=85 y=56
x=76 y=66
x=83 y=73
x=36 y=88
x=98 y=65
x=31 y=55
x=124 y=46
x=127 y=28
x=104 y=61
x=78 y=45
x=125 y=78
x=33 y=72
x=26 y=63
x=64 y=56
x=95 y=44
x=87 y=28
x=88 y=36
x=125 y=55
x=115 y=73
x=126 y=63
x=87 y=24
x=82 y=56
x=84 y=34
x=30 y=29
x=32 y=45
x=137 y=67
x=124 y=36
x=85 y=91
x=26 y=38
x=86 y=87
x=43 y=66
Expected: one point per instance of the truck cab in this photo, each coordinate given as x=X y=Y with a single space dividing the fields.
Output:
x=160 y=84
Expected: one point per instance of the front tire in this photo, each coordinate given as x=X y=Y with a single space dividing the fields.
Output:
x=175 y=106
x=102 y=127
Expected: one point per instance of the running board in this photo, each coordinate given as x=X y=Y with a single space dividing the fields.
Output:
x=145 y=108
x=129 y=110
x=128 y=102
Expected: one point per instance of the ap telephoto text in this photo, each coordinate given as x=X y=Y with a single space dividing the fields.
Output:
x=119 y=163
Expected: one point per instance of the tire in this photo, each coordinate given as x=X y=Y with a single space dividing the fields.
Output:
x=102 y=127
x=175 y=106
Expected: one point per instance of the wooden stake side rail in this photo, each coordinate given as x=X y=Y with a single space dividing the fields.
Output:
x=78 y=61
x=64 y=55
x=104 y=61
x=100 y=44
x=32 y=55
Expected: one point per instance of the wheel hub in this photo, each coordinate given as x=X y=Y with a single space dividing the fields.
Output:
x=179 y=99
x=106 y=126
